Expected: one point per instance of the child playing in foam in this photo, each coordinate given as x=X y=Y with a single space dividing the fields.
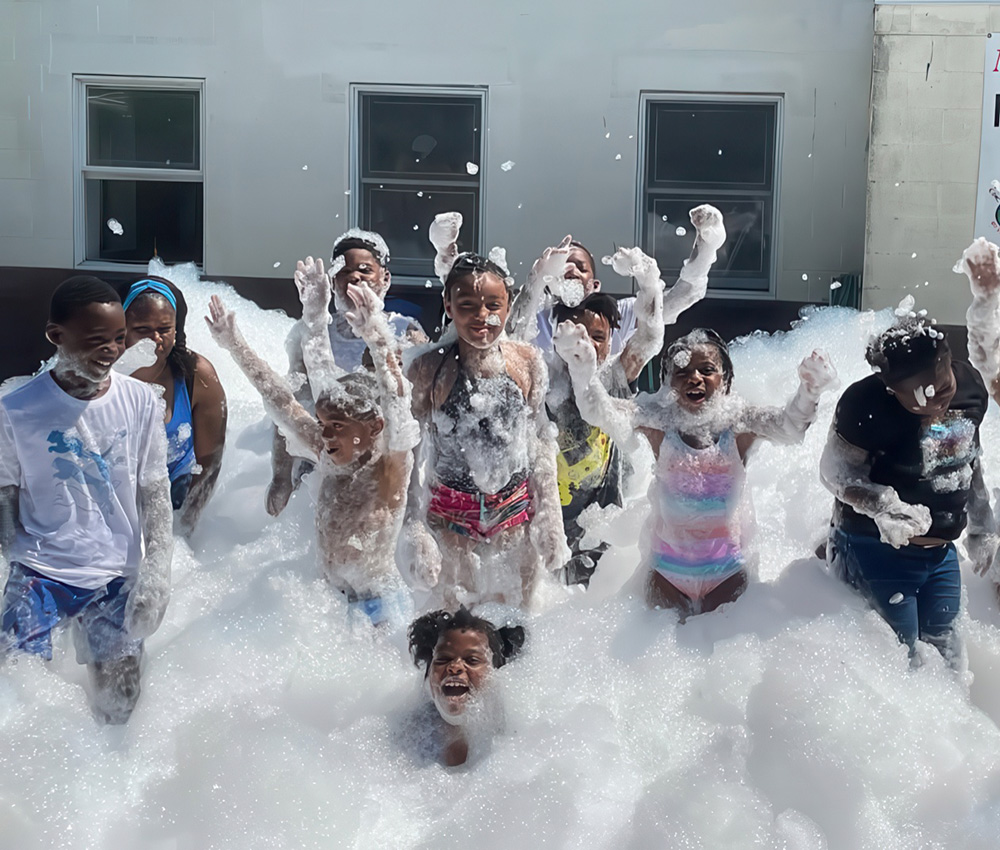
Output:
x=494 y=504
x=566 y=274
x=459 y=653
x=589 y=462
x=85 y=500
x=902 y=459
x=360 y=258
x=361 y=438
x=697 y=542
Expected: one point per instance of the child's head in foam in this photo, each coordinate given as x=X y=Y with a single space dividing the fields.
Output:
x=477 y=299
x=359 y=256
x=458 y=652
x=599 y=314
x=87 y=326
x=351 y=417
x=913 y=360
x=580 y=266
x=696 y=367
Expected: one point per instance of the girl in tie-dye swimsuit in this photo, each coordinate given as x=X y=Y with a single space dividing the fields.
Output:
x=696 y=540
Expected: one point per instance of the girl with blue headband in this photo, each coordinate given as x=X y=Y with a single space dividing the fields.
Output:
x=194 y=398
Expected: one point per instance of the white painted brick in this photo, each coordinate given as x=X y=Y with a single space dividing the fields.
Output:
x=882 y=50
x=887 y=162
x=960 y=53
x=883 y=18
x=909 y=53
x=890 y=87
x=955 y=18
x=900 y=19
x=958 y=125
x=994 y=18
x=946 y=90
x=956 y=199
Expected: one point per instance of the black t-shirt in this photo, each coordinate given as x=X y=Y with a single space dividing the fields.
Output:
x=927 y=462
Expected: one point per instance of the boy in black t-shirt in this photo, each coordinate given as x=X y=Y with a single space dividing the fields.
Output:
x=902 y=459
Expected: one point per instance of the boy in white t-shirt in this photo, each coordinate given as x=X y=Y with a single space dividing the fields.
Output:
x=83 y=485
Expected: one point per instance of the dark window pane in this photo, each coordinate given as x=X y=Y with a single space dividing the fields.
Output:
x=403 y=217
x=419 y=135
x=744 y=261
x=156 y=219
x=712 y=145
x=142 y=129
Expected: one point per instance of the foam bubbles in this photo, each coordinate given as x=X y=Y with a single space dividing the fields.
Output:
x=471 y=168
x=115 y=226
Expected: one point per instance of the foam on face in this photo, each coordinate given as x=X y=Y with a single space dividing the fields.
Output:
x=789 y=719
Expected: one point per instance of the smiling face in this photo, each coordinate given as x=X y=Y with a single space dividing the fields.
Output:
x=461 y=664
x=152 y=317
x=360 y=267
x=696 y=381
x=346 y=439
x=599 y=330
x=935 y=387
x=478 y=304
x=579 y=267
x=91 y=340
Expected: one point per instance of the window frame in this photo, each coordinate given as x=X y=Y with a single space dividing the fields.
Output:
x=649 y=98
x=82 y=171
x=356 y=92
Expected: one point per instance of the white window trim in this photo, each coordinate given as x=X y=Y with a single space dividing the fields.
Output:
x=81 y=170
x=356 y=90
x=647 y=97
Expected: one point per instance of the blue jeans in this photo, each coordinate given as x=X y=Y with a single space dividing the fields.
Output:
x=917 y=590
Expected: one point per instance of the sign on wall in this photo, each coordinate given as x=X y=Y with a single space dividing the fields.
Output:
x=988 y=191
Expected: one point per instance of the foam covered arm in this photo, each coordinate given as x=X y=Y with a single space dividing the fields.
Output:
x=9 y=496
x=313 y=285
x=981 y=540
x=443 y=235
x=368 y=320
x=616 y=417
x=789 y=424
x=522 y=323
x=647 y=340
x=692 y=283
x=981 y=265
x=148 y=598
x=845 y=470
x=291 y=417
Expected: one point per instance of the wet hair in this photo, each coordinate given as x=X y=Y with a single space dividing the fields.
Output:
x=182 y=360
x=599 y=303
x=692 y=340
x=472 y=264
x=586 y=250
x=79 y=291
x=425 y=632
x=355 y=395
x=911 y=346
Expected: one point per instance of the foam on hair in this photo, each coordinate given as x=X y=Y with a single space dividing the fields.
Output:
x=425 y=632
x=910 y=346
x=79 y=291
x=599 y=303
x=366 y=240
x=695 y=339
x=355 y=395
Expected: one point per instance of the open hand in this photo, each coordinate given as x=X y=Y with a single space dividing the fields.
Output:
x=817 y=372
x=313 y=284
x=981 y=264
x=573 y=344
x=707 y=221
x=222 y=324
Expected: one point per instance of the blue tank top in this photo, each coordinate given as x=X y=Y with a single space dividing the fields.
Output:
x=180 y=433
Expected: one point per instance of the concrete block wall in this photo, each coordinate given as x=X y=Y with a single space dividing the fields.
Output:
x=923 y=167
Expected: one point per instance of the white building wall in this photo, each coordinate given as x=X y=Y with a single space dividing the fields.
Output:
x=559 y=73
x=927 y=96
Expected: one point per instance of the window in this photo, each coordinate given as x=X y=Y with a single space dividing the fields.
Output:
x=140 y=191
x=721 y=152
x=418 y=152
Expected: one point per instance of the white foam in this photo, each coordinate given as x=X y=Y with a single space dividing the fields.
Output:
x=789 y=719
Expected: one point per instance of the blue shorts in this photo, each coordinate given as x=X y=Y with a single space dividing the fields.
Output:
x=33 y=605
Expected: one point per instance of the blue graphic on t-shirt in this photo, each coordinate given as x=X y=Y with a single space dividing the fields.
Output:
x=74 y=467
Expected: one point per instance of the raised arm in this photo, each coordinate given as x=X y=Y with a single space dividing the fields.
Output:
x=522 y=323
x=845 y=470
x=647 y=340
x=981 y=538
x=617 y=417
x=789 y=424
x=148 y=598
x=443 y=235
x=367 y=318
x=314 y=288
x=693 y=280
x=290 y=416
x=981 y=265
